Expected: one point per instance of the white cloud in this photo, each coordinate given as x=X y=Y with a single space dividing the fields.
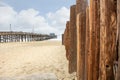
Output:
x=59 y=18
x=26 y=19
x=7 y=16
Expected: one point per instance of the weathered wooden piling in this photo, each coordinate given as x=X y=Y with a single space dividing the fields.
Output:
x=118 y=39
x=87 y=44
x=81 y=32
x=73 y=52
x=81 y=27
x=107 y=39
x=62 y=39
x=94 y=40
x=67 y=40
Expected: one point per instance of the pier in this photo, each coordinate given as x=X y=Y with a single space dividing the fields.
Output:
x=23 y=37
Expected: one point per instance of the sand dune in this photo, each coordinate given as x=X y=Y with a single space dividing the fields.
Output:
x=21 y=59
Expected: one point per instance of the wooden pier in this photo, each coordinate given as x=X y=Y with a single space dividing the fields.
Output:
x=22 y=37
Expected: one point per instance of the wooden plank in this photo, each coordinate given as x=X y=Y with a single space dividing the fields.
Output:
x=118 y=26
x=94 y=34
x=107 y=39
x=73 y=53
x=87 y=44
x=81 y=32
x=67 y=40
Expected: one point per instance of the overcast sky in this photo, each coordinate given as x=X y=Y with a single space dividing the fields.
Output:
x=45 y=16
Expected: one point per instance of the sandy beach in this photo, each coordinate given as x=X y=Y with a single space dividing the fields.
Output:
x=21 y=59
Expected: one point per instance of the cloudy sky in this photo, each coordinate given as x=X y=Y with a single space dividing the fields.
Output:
x=45 y=16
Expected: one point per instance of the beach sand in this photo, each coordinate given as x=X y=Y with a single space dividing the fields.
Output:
x=27 y=58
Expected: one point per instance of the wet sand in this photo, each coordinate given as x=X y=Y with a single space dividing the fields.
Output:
x=22 y=59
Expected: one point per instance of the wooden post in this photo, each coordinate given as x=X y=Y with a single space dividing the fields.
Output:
x=67 y=40
x=0 y=38
x=94 y=34
x=17 y=37
x=25 y=38
x=5 y=38
x=11 y=38
x=87 y=44
x=21 y=38
x=107 y=39
x=73 y=53
x=62 y=39
x=32 y=37
x=81 y=33
x=81 y=30
x=8 y=38
x=118 y=26
x=14 y=38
